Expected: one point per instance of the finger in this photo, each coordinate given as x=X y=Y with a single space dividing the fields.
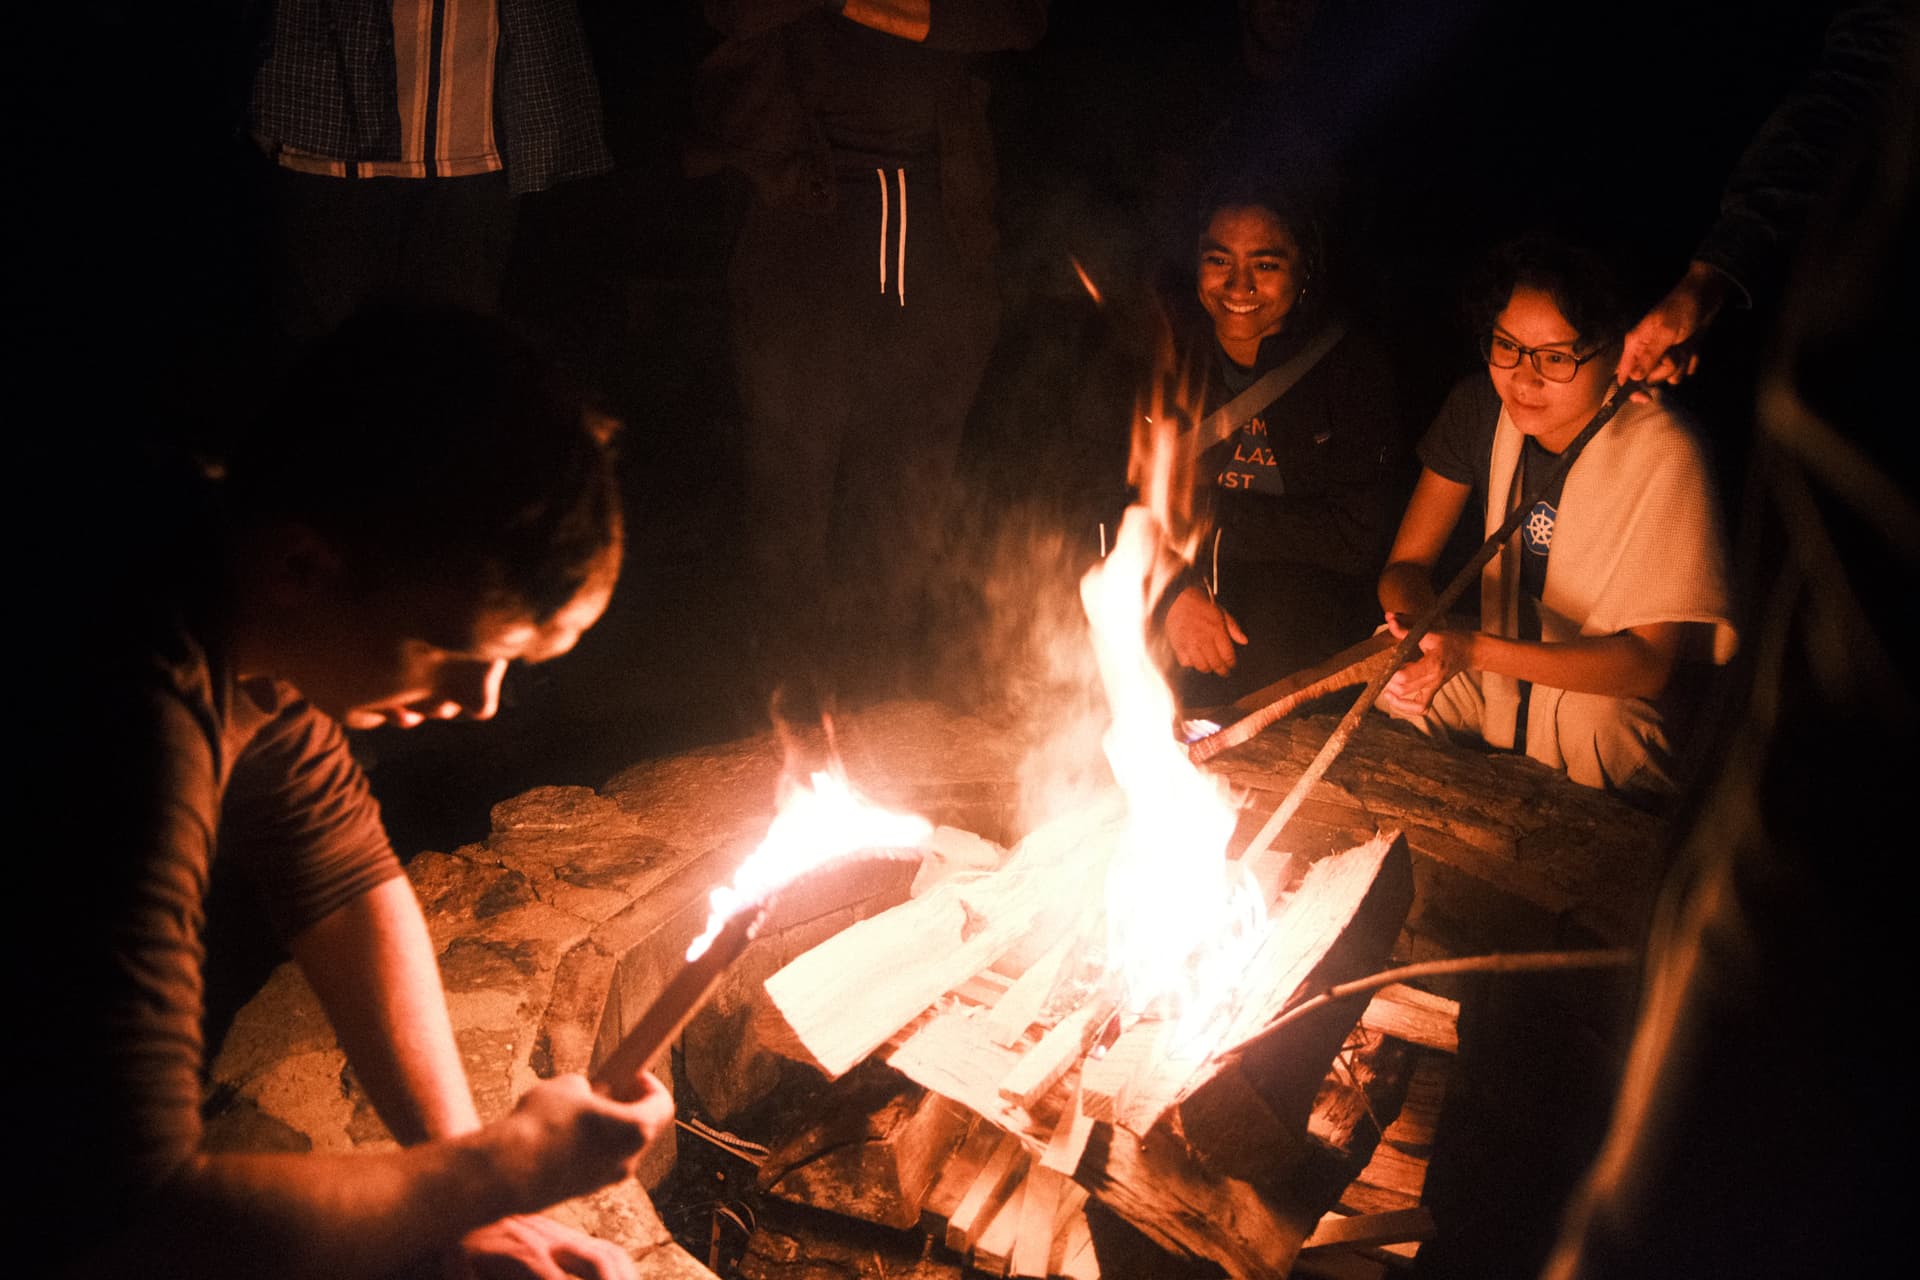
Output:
x=1233 y=628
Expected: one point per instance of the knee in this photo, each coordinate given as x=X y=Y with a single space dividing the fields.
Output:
x=1614 y=744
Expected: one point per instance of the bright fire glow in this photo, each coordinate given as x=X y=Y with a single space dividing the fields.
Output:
x=818 y=822
x=1180 y=921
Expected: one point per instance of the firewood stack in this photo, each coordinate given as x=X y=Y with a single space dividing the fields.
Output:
x=989 y=1087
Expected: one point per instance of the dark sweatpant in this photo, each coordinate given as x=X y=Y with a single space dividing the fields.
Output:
x=856 y=395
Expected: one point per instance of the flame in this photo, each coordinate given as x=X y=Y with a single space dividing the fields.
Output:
x=1086 y=281
x=818 y=822
x=1180 y=920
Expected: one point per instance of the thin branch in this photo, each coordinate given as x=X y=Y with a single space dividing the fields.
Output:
x=1512 y=962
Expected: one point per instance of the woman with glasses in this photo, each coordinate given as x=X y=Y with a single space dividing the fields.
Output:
x=1616 y=574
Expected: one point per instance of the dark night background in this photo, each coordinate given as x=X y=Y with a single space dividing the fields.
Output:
x=1449 y=124
x=1446 y=126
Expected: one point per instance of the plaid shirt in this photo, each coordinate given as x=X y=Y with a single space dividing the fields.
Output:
x=325 y=86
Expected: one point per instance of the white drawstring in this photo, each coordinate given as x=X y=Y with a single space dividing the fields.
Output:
x=1214 y=586
x=900 y=272
x=881 y=174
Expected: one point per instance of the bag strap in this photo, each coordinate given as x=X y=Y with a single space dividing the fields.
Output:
x=1270 y=386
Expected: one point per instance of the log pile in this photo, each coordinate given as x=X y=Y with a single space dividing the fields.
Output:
x=981 y=1083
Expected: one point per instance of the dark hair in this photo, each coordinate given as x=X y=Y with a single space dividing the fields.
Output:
x=434 y=443
x=1589 y=285
x=1298 y=207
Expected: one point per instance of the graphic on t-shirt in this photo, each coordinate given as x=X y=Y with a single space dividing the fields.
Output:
x=1254 y=465
x=1539 y=528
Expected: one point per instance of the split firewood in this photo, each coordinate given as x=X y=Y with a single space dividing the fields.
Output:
x=1160 y=1187
x=908 y=957
x=1419 y=1117
x=1039 y=1222
x=1070 y=1231
x=1059 y=1051
x=1341 y=922
x=1360 y=1230
x=993 y=1251
x=1021 y=1006
x=1393 y=1179
x=1107 y=1082
x=1410 y=1014
x=876 y=1163
x=990 y=1189
x=1076 y=1260
x=958 y=1175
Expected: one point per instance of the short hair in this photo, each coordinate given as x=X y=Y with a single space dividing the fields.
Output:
x=432 y=443
x=1588 y=283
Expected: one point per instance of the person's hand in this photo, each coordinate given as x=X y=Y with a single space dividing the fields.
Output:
x=1202 y=634
x=1443 y=655
x=534 y=1247
x=1659 y=348
x=563 y=1138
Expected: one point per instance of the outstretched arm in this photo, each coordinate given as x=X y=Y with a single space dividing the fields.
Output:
x=372 y=964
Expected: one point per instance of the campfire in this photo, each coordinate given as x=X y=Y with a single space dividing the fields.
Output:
x=1085 y=1018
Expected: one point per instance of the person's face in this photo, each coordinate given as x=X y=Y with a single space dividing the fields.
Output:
x=1551 y=412
x=400 y=658
x=1251 y=272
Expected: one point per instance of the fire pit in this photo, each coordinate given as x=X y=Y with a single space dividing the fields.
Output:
x=563 y=925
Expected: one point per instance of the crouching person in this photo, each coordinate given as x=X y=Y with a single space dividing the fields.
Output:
x=425 y=505
x=1615 y=578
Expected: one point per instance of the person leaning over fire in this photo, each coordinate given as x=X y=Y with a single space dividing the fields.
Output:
x=425 y=505
x=1300 y=496
x=1616 y=575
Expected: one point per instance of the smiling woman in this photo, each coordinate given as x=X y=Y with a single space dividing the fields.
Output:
x=1300 y=493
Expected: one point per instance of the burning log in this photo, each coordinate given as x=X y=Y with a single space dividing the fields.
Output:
x=911 y=956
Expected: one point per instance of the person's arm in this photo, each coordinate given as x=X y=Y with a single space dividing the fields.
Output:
x=1406 y=584
x=1768 y=198
x=1201 y=634
x=1635 y=663
x=1658 y=349
x=371 y=962
x=339 y=1216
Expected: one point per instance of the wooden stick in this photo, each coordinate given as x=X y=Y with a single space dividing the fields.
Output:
x=676 y=1004
x=1510 y=962
x=1355 y=664
x=1409 y=647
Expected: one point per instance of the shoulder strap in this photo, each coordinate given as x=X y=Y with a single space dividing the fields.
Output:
x=1272 y=384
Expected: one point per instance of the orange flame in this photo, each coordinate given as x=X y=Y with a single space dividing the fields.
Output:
x=818 y=822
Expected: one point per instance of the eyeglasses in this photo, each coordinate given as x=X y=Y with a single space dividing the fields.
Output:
x=1554 y=366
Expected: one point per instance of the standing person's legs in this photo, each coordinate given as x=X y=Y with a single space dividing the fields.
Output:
x=455 y=240
x=928 y=345
x=795 y=338
x=336 y=244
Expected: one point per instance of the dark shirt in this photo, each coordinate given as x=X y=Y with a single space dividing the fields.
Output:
x=163 y=766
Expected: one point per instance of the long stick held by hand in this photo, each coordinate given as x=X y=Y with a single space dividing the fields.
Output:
x=1409 y=647
x=676 y=1004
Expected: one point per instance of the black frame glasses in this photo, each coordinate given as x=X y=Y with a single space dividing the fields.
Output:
x=1560 y=366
